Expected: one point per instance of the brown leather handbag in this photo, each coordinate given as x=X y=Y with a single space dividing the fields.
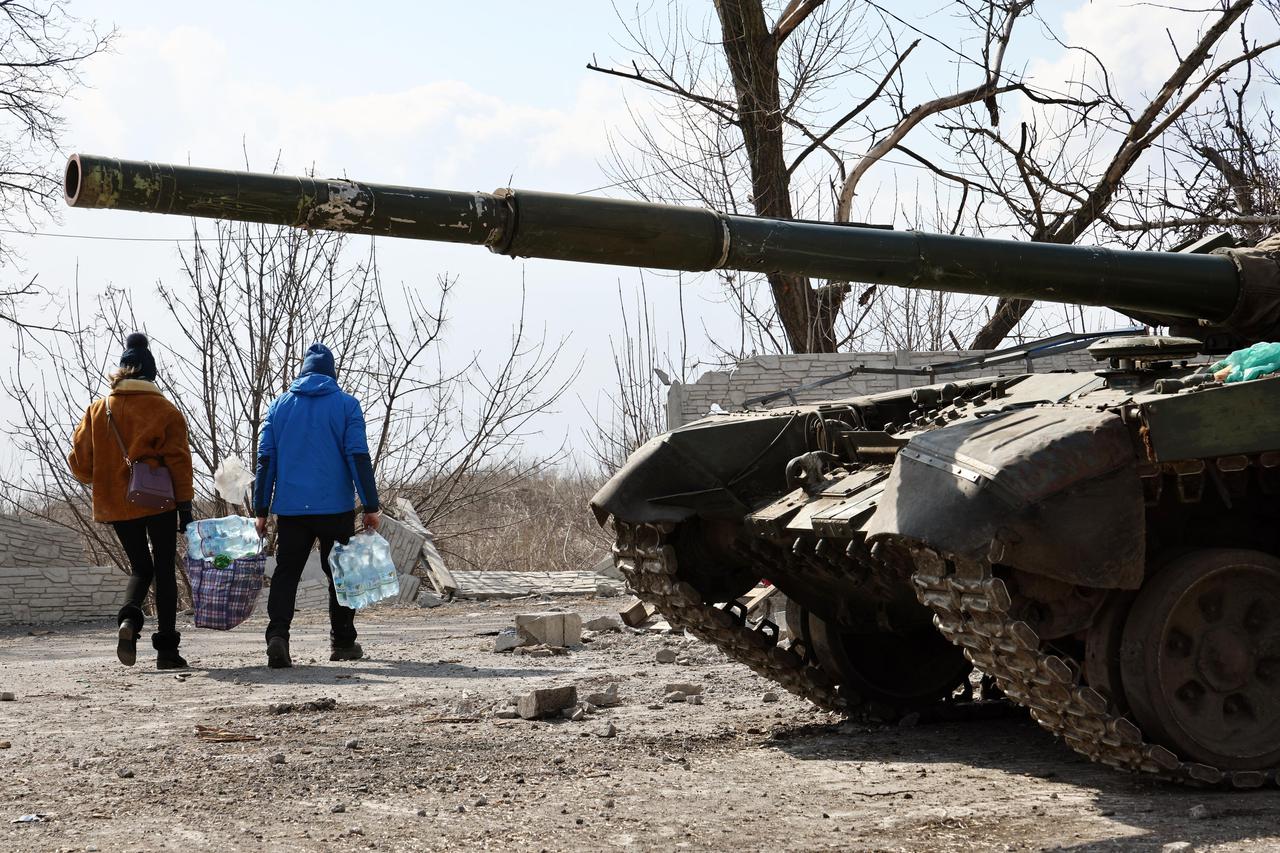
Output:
x=149 y=487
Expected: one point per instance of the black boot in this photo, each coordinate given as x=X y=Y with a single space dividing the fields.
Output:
x=166 y=646
x=278 y=653
x=127 y=644
x=346 y=651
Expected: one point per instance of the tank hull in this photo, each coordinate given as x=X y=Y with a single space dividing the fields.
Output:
x=1025 y=520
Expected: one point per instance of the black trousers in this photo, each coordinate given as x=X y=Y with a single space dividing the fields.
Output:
x=297 y=536
x=148 y=564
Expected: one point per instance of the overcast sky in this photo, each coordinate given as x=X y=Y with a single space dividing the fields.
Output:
x=467 y=96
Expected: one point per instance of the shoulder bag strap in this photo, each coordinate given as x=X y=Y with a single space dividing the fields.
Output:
x=111 y=422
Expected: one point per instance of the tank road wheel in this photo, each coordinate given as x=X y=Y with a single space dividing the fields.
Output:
x=1200 y=657
x=903 y=670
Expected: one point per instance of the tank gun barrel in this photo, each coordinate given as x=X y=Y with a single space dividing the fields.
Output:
x=639 y=234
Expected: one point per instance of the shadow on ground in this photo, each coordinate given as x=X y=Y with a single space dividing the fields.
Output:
x=367 y=669
x=1160 y=811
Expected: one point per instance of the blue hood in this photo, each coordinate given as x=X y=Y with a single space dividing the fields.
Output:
x=314 y=385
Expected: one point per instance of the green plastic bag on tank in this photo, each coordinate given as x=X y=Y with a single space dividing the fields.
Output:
x=1249 y=363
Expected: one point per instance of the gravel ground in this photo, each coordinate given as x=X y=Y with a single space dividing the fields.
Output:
x=413 y=757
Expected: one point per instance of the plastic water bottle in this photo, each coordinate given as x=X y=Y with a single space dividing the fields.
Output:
x=222 y=539
x=363 y=572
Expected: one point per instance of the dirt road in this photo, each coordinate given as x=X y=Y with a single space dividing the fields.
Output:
x=412 y=756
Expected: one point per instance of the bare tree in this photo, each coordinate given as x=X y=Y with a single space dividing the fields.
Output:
x=737 y=102
x=43 y=49
x=634 y=410
x=254 y=297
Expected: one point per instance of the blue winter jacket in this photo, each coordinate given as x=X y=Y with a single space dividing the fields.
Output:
x=312 y=447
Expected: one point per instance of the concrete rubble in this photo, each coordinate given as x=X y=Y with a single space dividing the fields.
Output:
x=636 y=614
x=603 y=624
x=546 y=702
x=550 y=629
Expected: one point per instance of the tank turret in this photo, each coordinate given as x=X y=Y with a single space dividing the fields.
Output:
x=1210 y=290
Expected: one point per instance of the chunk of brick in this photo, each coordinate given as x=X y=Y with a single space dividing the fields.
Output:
x=549 y=629
x=546 y=702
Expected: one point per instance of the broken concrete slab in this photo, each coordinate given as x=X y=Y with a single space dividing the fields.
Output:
x=684 y=687
x=546 y=702
x=505 y=641
x=430 y=598
x=549 y=629
x=607 y=567
x=606 y=698
x=602 y=624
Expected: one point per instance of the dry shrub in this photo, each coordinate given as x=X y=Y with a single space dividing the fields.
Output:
x=539 y=523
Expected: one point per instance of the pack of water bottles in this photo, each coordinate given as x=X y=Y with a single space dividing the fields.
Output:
x=225 y=565
x=363 y=572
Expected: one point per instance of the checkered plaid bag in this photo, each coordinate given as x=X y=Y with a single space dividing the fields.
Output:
x=225 y=594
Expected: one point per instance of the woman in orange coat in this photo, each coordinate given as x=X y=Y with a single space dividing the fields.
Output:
x=150 y=428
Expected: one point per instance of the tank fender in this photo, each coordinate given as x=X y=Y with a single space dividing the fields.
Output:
x=1053 y=491
x=717 y=467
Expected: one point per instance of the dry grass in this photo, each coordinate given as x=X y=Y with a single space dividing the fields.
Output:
x=542 y=523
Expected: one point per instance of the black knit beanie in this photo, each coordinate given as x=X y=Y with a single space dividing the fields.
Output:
x=137 y=354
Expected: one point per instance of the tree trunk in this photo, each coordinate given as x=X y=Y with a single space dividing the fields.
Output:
x=751 y=50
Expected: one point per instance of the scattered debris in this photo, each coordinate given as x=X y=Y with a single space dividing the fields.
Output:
x=429 y=599
x=1177 y=847
x=506 y=713
x=324 y=704
x=665 y=656
x=124 y=773
x=578 y=714
x=351 y=743
x=695 y=699
x=1200 y=812
x=541 y=651
x=506 y=640
x=769 y=696
x=607 y=730
x=7 y=696
x=604 y=589
x=337 y=808
x=35 y=817
x=603 y=624
x=684 y=687
x=278 y=758
x=636 y=614
x=606 y=698
x=674 y=696
x=546 y=702
x=217 y=734
x=4 y=744
x=549 y=629
x=662 y=626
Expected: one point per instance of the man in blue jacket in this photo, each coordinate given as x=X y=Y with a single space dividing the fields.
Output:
x=311 y=449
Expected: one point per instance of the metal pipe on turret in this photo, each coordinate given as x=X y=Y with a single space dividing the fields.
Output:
x=630 y=233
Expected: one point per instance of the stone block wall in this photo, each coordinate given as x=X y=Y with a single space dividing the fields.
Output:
x=765 y=374
x=43 y=577
x=31 y=542
x=59 y=593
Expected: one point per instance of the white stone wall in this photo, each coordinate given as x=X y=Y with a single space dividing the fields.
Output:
x=59 y=593
x=765 y=374
x=31 y=542
x=43 y=579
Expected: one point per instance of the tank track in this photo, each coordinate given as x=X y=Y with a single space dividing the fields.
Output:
x=971 y=608
x=649 y=565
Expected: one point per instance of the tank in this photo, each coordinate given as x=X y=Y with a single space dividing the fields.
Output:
x=1100 y=546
